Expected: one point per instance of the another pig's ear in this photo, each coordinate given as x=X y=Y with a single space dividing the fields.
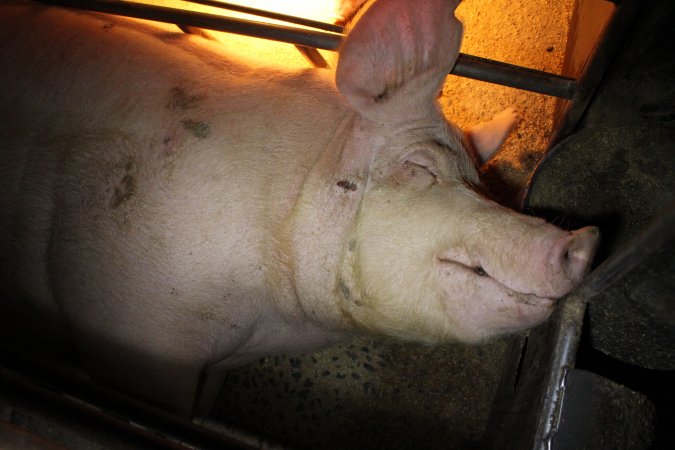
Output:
x=488 y=137
x=397 y=55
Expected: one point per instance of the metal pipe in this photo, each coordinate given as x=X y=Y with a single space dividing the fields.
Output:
x=466 y=65
x=270 y=15
x=291 y=35
x=313 y=56
x=647 y=242
x=518 y=77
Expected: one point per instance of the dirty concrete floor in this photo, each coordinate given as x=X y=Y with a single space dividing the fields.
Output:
x=382 y=394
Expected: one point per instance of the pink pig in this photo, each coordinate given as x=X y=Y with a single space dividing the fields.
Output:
x=181 y=213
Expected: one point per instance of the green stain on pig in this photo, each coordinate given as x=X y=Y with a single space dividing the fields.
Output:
x=200 y=130
x=180 y=99
x=344 y=289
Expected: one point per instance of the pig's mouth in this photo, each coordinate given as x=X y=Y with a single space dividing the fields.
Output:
x=483 y=281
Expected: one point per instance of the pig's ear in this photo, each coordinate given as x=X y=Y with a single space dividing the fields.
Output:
x=488 y=137
x=397 y=55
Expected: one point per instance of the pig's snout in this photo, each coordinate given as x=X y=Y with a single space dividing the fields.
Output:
x=571 y=257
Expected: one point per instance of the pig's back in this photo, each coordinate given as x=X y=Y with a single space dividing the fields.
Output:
x=129 y=147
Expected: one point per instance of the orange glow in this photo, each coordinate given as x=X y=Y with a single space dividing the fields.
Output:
x=323 y=10
x=264 y=50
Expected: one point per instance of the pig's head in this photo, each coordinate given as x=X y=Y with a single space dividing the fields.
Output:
x=423 y=254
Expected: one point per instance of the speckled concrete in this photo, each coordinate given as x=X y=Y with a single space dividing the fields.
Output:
x=366 y=394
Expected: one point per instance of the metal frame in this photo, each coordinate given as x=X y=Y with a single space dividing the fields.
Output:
x=466 y=66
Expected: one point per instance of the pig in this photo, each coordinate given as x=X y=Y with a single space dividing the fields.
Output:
x=179 y=212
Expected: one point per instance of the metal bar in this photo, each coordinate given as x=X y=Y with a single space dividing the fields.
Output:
x=496 y=72
x=291 y=35
x=521 y=419
x=533 y=405
x=99 y=406
x=271 y=15
x=466 y=65
x=649 y=240
x=313 y=56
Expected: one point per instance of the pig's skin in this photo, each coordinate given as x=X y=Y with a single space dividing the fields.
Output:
x=183 y=213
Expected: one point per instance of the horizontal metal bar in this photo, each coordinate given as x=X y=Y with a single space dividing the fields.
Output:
x=270 y=15
x=518 y=77
x=291 y=35
x=466 y=65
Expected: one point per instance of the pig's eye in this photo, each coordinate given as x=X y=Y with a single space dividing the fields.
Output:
x=417 y=175
x=419 y=169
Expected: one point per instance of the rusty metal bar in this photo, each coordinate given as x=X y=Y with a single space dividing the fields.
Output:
x=466 y=66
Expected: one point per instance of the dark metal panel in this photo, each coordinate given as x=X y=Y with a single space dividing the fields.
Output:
x=596 y=413
x=103 y=415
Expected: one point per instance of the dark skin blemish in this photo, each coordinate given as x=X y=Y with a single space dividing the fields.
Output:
x=346 y=293
x=180 y=99
x=347 y=185
x=200 y=130
x=124 y=191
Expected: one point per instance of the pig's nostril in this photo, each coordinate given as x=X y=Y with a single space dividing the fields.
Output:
x=575 y=253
